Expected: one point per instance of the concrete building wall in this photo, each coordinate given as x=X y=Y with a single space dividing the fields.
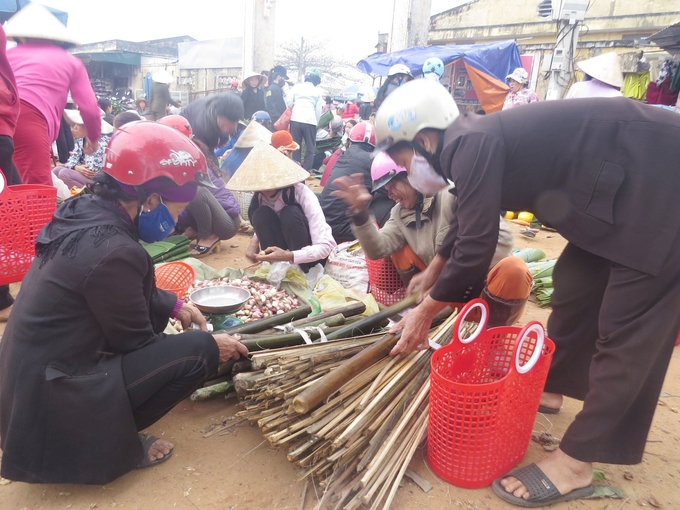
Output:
x=612 y=25
x=498 y=19
x=196 y=83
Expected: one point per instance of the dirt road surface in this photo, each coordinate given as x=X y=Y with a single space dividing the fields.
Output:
x=239 y=470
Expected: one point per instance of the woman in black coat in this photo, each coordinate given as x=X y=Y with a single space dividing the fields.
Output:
x=252 y=95
x=84 y=362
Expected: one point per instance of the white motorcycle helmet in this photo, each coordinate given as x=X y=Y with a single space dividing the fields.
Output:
x=399 y=69
x=416 y=105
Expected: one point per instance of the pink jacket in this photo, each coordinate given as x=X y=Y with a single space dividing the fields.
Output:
x=44 y=74
x=9 y=99
x=322 y=236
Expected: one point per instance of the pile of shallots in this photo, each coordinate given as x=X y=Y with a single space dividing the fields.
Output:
x=265 y=301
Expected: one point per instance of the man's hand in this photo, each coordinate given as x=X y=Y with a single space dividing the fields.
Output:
x=230 y=347
x=353 y=192
x=188 y=314
x=415 y=327
x=85 y=171
x=90 y=147
x=275 y=254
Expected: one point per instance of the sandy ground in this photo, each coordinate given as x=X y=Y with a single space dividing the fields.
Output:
x=240 y=471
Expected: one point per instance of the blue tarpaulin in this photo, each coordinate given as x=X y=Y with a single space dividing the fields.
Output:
x=487 y=65
x=9 y=7
x=497 y=59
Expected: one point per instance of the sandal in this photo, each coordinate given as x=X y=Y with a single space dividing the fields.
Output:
x=542 y=492
x=204 y=251
x=147 y=440
x=548 y=410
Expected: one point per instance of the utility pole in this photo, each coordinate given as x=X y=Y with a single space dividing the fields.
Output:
x=568 y=14
x=301 y=59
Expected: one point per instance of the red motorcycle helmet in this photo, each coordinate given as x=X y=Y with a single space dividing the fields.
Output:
x=141 y=151
x=179 y=123
x=363 y=132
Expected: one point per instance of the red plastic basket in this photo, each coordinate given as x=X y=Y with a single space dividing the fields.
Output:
x=484 y=395
x=176 y=277
x=384 y=281
x=24 y=211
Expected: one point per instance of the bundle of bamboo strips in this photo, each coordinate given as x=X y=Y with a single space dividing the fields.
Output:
x=359 y=440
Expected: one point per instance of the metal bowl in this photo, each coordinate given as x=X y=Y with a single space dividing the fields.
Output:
x=219 y=299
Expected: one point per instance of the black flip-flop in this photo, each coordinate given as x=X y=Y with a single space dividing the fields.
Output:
x=147 y=440
x=542 y=492
x=548 y=410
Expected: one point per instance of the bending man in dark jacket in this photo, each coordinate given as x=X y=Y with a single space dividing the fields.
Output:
x=603 y=172
x=214 y=118
x=356 y=159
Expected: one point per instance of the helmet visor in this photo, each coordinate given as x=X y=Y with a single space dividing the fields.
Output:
x=379 y=183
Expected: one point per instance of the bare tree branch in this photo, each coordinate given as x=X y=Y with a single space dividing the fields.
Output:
x=297 y=55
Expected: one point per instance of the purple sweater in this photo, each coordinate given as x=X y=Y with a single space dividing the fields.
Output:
x=223 y=196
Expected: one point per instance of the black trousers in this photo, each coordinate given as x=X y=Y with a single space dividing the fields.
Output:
x=614 y=330
x=159 y=376
x=287 y=230
x=11 y=177
x=307 y=132
x=207 y=216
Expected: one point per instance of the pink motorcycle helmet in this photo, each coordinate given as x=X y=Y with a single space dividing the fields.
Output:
x=383 y=170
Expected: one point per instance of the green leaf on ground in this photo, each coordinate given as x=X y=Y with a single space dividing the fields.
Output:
x=598 y=475
x=606 y=491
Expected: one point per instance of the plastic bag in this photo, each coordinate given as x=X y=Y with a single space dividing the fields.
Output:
x=283 y=122
x=347 y=265
x=332 y=295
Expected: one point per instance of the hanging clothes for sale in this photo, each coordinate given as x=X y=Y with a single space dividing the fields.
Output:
x=635 y=85
x=665 y=89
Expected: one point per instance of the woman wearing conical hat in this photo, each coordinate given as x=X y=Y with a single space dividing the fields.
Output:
x=288 y=221
x=604 y=77
x=44 y=73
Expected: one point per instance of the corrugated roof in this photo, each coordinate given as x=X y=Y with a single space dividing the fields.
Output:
x=667 y=39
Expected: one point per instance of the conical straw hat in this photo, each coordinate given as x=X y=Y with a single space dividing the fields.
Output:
x=253 y=134
x=162 y=76
x=266 y=168
x=605 y=68
x=35 y=21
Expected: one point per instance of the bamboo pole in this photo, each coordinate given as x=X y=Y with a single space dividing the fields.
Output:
x=373 y=319
x=261 y=324
x=332 y=381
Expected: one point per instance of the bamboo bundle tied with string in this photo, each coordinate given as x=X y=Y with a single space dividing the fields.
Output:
x=348 y=415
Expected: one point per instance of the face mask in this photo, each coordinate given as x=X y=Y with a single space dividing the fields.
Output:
x=423 y=177
x=155 y=225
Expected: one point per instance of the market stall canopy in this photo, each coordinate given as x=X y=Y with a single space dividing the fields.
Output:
x=667 y=39
x=487 y=65
x=11 y=7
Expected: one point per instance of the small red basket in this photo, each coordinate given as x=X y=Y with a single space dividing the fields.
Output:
x=24 y=211
x=176 y=277
x=484 y=395
x=384 y=281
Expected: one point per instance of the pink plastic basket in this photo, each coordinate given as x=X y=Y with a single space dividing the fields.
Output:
x=484 y=395
x=24 y=211
x=384 y=281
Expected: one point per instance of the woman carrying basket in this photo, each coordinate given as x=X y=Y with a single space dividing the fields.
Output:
x=84 y=362
x=600 y=172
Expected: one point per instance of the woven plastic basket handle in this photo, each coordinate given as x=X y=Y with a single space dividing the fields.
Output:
x=535 y=327
x=460 y=321
x=3 y=183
